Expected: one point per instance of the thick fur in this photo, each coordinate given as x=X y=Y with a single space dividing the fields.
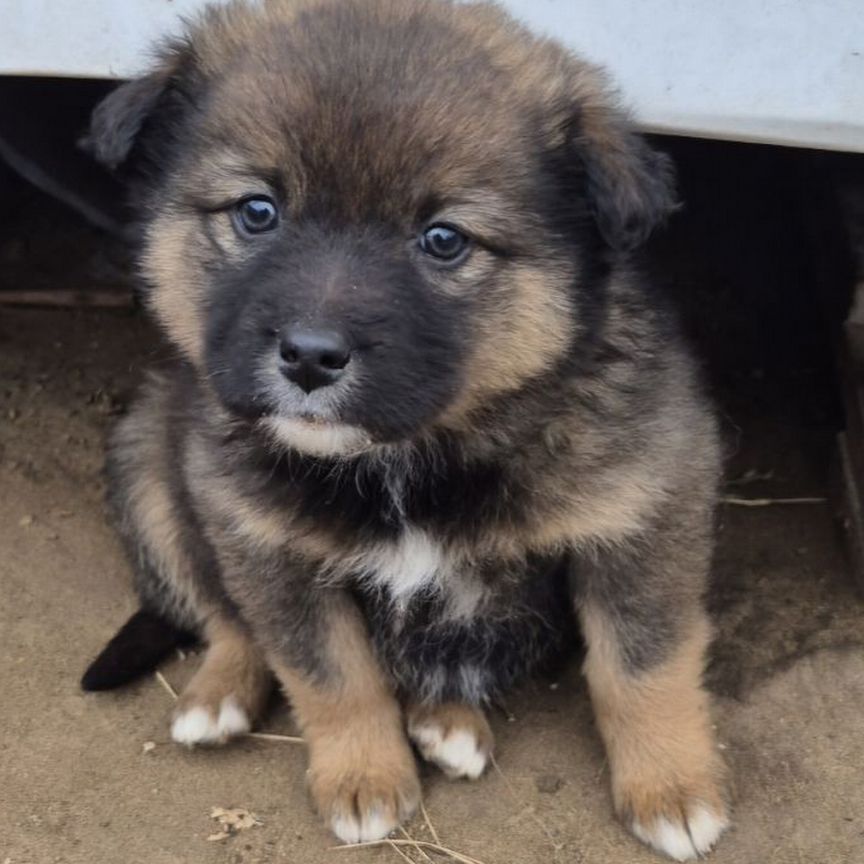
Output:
x=518 y=437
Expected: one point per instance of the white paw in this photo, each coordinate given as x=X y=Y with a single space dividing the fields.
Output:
x=681 y=841
x=371 y=825
x=458 y=754
x=198 y=726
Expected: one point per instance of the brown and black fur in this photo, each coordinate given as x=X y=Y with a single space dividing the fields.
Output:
x=526 y=421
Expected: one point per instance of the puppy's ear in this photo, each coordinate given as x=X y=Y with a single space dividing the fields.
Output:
x=631 y=186
x=118 y=120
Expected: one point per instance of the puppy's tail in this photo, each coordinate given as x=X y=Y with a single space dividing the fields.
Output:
x=140 y=645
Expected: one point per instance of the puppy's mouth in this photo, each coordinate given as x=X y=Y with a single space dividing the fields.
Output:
x=313 y=421
x=291 y=418
x=315 y=435
x=279 y=398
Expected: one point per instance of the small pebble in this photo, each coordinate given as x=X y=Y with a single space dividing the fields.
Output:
x=25 y=521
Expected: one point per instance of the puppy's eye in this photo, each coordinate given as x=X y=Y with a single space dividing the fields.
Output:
x=443 y=242
x=257 y=215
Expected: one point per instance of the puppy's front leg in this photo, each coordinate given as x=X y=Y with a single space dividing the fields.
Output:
x=228 y=692
x=362 y=773
x=646 y=635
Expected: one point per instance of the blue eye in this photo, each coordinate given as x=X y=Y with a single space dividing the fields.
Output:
x=443 y=242
x=257 y=215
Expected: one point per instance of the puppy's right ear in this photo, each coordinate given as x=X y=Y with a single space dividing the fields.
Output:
x=119 y=117
x=118 y=120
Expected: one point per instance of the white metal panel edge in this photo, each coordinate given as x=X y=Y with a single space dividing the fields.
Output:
x=784 y=71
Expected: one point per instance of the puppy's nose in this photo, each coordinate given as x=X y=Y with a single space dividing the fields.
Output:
x=313 y=358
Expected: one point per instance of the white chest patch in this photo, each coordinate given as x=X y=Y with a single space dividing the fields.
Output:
x=415 y=562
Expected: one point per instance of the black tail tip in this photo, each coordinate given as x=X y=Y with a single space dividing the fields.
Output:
x=139 y=646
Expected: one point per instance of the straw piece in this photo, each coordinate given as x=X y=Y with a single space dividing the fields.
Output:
x=432 y=847
x=767 y=502
x=429 y=824
x=407 y=836
x=164 y=682
x=272 y=736
x=400 y=853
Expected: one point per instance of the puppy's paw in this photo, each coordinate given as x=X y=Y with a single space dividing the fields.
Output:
x=371 y=807
x=456 y=737
x=681 y=821
x=364 y=794
x=687 y=834
x=197 y=722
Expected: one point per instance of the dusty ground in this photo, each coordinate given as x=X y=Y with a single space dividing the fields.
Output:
x=78 y=785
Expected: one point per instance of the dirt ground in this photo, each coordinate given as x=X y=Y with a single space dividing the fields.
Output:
x=81 y=782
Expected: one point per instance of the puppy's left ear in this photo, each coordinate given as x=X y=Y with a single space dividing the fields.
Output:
x=630 y=185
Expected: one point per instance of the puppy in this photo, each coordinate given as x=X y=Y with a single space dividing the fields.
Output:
x=425 y=413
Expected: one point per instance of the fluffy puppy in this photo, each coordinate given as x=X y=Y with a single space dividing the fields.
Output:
x=425 y=412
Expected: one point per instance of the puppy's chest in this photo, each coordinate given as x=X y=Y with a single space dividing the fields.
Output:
x=416 y=563
x=414 y=533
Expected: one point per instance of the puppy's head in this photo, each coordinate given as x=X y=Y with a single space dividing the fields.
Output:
x=365 y=219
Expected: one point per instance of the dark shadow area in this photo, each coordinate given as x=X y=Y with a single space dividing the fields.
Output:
x=62 y=224
x=761 y=263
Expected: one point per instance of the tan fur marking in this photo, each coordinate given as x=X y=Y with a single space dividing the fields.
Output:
x=616 y=506
x=140 y=436
x=533 y=322
x=154 y=510
x=250 y=521
x=656 y=727
x=170 y=266
x=360 y=762
x=265 y=528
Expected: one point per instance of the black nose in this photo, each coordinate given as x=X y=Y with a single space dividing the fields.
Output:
x=313 y=358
